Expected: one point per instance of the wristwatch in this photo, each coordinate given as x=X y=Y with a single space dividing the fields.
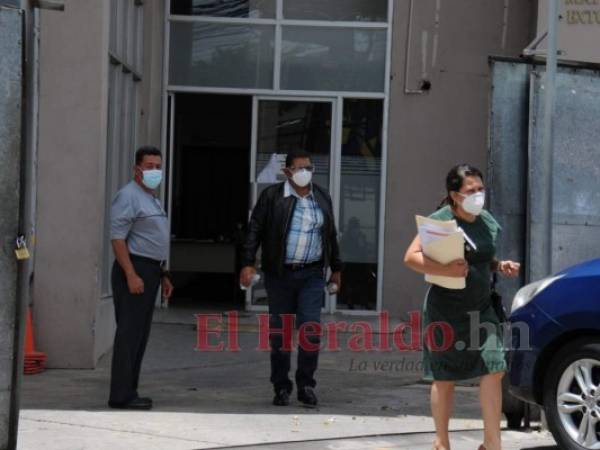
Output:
x=496 y=265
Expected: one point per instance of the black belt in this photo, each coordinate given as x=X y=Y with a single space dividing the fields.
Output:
x=145 y=259
x=303 y=266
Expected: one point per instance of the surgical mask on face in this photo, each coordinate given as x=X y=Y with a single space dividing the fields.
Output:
x=302 y=177
x=473 y=204
x=152 y=178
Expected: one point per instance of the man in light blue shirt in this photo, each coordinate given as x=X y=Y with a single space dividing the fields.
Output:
x=140 y=241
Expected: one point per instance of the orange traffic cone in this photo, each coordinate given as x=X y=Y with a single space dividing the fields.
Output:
x=34 y=361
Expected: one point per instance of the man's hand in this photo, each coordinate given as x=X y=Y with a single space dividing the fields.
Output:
x=167 y=288
x=457 y=269
x=336 y=277
x=246 y=276
x=509 y=269
x=135 y=284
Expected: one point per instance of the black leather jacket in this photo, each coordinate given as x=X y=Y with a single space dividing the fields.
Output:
x=269 y=225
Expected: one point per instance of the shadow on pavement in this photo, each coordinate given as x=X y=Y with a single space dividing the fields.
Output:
x=552 y=447
x=180 y=379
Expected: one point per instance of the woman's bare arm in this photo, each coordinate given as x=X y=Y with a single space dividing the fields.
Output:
x=417 y=261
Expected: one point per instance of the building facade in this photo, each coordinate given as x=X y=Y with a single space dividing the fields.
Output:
x=386 y=94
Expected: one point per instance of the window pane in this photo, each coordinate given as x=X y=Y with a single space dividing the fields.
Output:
x=225 y=8
x=139 y=59
x=347 y=10
x=111 y=186
x=131 y=34
x=120 y=28
x=324 y=59
x=126 y=127
x=284 y=126
x=216 y=55
x=359 y=202
x=133 y=115
x=112 y=46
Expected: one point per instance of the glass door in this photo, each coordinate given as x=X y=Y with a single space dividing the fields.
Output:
x=281 y=125
x=359 y=187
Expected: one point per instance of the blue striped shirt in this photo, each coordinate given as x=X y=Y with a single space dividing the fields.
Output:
x=304 y=242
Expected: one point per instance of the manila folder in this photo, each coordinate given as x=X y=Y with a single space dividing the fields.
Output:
x=448 y=246
x=444 y=251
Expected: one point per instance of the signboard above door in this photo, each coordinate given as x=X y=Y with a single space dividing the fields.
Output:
x=579 y=29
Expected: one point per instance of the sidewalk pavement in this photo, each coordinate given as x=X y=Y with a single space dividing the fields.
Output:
x=223 y=399
x=461 y=440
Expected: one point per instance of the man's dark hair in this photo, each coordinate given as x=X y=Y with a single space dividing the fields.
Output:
x=294 y=155
x=146 y=151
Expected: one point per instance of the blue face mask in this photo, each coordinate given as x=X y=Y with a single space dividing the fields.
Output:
x=152 y=178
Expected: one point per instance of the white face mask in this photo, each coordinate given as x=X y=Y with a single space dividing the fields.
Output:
x=302 y=177
x=473 y=204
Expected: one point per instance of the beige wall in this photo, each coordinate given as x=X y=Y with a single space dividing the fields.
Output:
x=430 y=133
x=72 y=154
x=578 y=31
x=74 y=325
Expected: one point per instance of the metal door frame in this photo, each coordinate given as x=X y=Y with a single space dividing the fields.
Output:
x=334 y=169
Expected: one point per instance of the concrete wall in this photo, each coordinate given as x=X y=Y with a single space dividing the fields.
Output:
x=10 y=155
x=72 y=154
x=430 y=133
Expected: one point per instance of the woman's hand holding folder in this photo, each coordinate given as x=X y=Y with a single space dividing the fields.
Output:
x=458 y=268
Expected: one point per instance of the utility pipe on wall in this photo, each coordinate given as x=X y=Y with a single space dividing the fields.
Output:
x=547 y=153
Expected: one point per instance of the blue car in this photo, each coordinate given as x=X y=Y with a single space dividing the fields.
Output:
x=555 y=359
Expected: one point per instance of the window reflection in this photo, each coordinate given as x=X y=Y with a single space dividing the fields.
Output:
x=316 y=58
x=359 y=203
x=286 y=125
x=225 y=8
x=220 y=55
x=346 y=10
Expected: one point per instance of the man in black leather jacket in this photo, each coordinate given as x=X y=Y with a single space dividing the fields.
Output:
x=293 y=222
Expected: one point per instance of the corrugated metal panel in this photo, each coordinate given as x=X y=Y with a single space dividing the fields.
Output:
x=11 y=42
x=576 y=190
x=514 y=167
x=507 y=168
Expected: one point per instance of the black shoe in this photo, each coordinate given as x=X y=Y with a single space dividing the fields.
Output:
x=137 y=403
x=307 y=396
x=282 y=398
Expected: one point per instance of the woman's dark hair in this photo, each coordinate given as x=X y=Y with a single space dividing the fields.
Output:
x=456 y=178
x=146 y=151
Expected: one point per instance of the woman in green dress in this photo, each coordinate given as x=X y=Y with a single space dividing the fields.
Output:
x=469 y=343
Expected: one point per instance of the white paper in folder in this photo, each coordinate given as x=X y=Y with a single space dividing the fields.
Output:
x=444 y=242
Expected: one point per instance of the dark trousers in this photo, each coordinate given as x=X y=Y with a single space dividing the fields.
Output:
x=301 y=293
x=134 y=318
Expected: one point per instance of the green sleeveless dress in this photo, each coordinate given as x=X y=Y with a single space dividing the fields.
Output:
x=452 y=348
